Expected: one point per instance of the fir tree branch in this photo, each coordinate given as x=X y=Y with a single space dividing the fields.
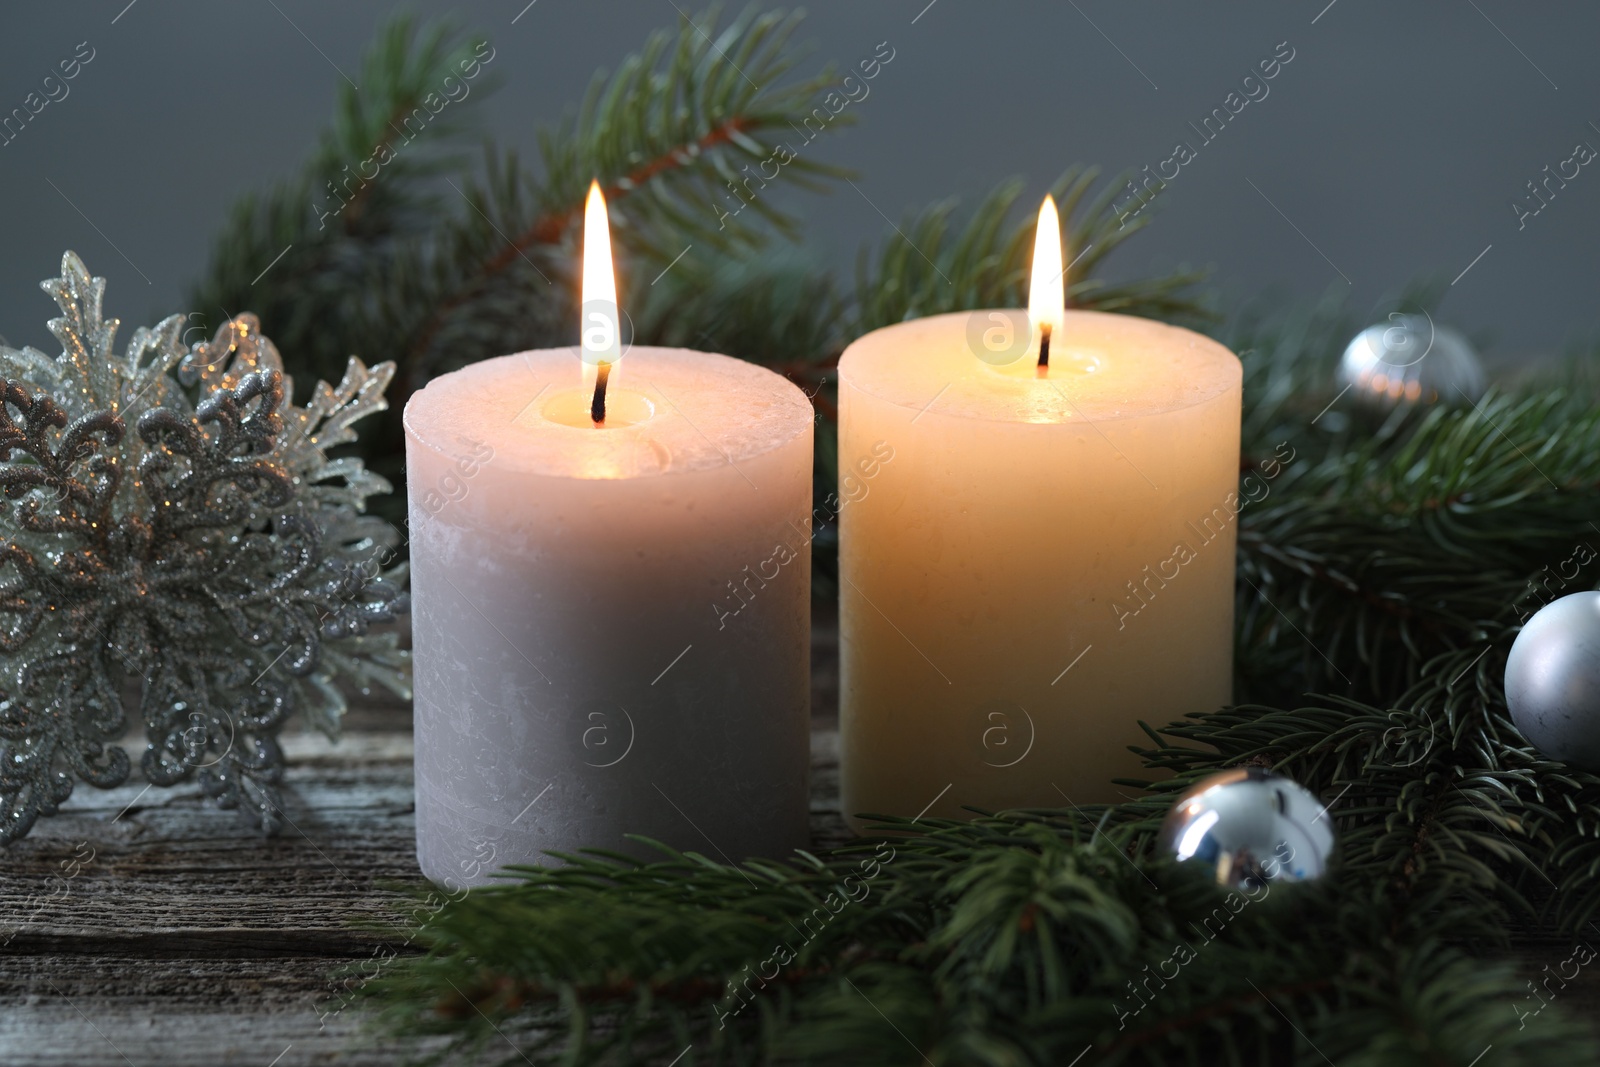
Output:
x=929 y=266
x=307 y=279
x=662 y=135
x=552 y=228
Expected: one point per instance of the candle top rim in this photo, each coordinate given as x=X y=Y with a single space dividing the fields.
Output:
x=1144 y=368
x=711 y=411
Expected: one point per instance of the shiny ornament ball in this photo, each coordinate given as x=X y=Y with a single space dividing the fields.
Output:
x=1410 y=360
x=1250 y=827
x=1553 y=680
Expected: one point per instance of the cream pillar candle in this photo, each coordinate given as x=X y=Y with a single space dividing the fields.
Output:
x=574 y=681
x=1048 y=559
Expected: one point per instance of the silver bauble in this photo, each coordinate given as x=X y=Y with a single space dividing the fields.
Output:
x=1553 y=680
x=1250 y=827
x=1410 y=360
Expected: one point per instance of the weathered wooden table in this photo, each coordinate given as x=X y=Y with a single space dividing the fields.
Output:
x=140 y=928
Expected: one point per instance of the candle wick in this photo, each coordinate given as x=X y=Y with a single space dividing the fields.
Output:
x=597 y=409
x=1044 y=348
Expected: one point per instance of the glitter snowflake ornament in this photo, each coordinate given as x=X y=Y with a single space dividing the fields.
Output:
x=174 y=527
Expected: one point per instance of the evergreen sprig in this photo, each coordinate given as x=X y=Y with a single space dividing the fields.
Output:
x=667 y=136
x=308 y=253
x=930 y=265
x=392 y=241
x=435 y=257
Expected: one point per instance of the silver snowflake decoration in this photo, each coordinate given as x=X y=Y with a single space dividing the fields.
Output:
x=173 y=527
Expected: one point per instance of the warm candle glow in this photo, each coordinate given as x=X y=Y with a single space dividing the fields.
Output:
x=599 y=331
x=1013 y=575
x=1047 y=284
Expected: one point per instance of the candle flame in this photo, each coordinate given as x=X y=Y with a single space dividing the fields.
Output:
x=600 y=330
x=1047 y=284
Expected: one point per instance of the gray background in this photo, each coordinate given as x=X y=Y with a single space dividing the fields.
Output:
x=1394 y=142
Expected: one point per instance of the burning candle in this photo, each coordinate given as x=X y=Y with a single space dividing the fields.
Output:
x=1049 y=558
x=611 y=600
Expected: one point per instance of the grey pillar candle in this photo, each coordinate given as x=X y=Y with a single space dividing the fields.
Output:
x=611 y=624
